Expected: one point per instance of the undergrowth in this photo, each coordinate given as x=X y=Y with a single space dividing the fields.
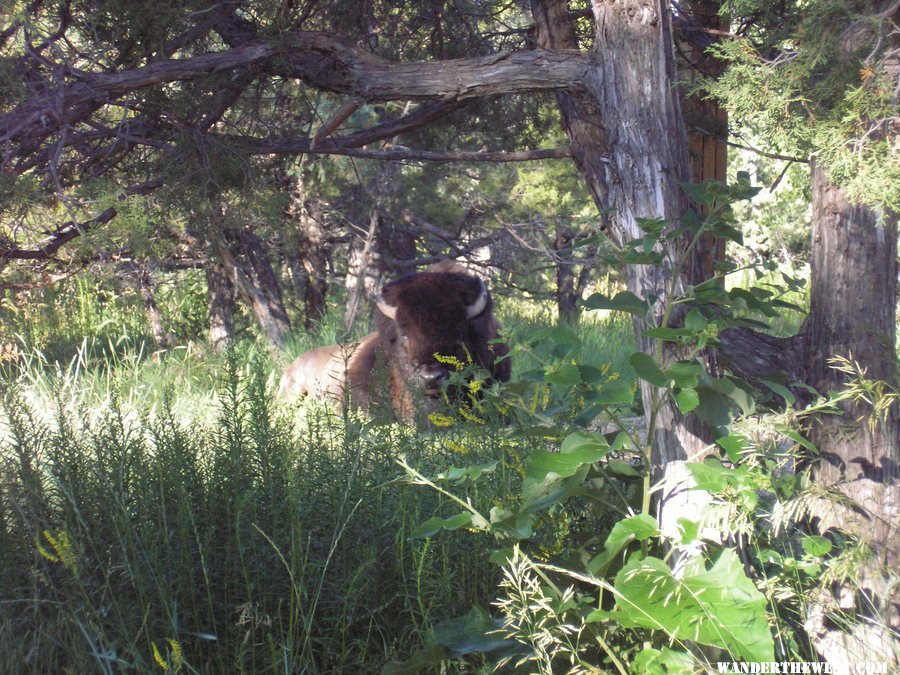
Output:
x=249 y=543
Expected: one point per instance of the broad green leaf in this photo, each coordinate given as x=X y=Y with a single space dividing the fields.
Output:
x=543 y=493
x=737 y=394
x=590 y=374
x=663 y=662
x=713 y=408
x=651 y=225
x=779 y=389
x=474 y=632
x=788 y=305
x=726 y=231
x=769 y=557
x=688 y=529
x=581 y=440
x=613 y=393
x=733 y=445
x=622 y=468
x=635 y=528
x=624 y=301
x=463 y=473
x=719 y=607
x=687 y=400
x=797 y=438
x=646 y=369
x=695 y=321
x=539 y=463
x=699 y=193
x=620 y=441
x=565 y=374
x=564 y=335
x=711 y=476
x=685 y=373
x=816 y=546
x=435 y=524
x=515 y=524
x=642 y=258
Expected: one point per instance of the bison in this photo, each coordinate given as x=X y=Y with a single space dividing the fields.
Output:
x=441 y=312
x=332 y=373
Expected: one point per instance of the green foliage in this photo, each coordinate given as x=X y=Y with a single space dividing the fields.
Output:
x=610 y=599
x=241 y=542
x=718 y=606
x=100 y=316
x=818 y=66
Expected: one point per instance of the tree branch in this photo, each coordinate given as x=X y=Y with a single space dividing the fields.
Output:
x=63 y=234
x=317 y=59
x=70 y=230
x=254 y=146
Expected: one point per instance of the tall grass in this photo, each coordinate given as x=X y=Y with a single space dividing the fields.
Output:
x=606 y=339
x=158 y=512
x=259 y=541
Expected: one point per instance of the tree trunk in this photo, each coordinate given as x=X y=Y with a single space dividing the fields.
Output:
x=853 y=315
x=312 y=250
x=255 y=281
x=364 y=268
x=628 y=140
x=161 y=337
x=566 y=291
x=706 y=120
x=369 y=255
x=220 y=300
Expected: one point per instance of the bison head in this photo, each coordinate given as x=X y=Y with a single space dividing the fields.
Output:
x=441 y=312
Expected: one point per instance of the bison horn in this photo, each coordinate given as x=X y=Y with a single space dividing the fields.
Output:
x=390 y=311
x=478 y=306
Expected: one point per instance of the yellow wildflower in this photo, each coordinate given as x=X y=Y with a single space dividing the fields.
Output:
x=175 y=660
x=439 y=420
x=456 y=447
x=469 y=415
x=160 y=661
x=449 y=361
x=62 y=548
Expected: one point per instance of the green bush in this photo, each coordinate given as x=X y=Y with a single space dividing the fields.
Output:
x=254 y=542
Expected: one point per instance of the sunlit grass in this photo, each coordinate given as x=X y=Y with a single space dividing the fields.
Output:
x=245 y=539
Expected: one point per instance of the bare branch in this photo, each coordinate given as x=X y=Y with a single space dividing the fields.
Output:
x=315 y=58
x=397 y=153
x=70 y=230
x=63 y=234
x=337 y=119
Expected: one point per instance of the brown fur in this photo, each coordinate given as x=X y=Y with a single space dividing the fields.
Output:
x=431 y=319
x=333 y=373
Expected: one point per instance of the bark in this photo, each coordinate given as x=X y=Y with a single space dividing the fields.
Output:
x=161 y=337
x=853 y=314
x=566 y=288
x=250 y=272
x=61 y=236
x=317 y=59
x=265 y=146
x=365 y=268
x=706 y=121
x=375 y=253
x=220 y=300
x=313 y=251
x=628 y=140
